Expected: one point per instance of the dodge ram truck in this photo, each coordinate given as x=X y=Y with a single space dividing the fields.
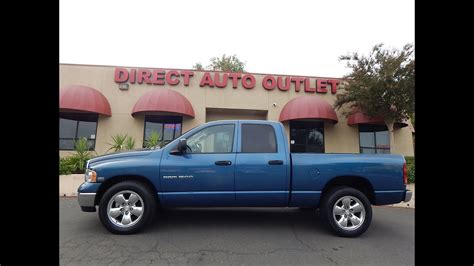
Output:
x=240 y=163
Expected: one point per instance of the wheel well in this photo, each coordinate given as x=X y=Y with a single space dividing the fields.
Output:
x=356 y=182
x=116 y=179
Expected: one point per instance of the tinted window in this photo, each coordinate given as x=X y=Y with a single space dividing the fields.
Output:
x=258 y=138
x=67 y=128
x=374 y=139
x=213 y=139
x=73 y=126
x=306 y=136
x=167 y=127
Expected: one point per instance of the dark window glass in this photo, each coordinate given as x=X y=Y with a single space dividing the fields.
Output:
x=374 y=139
x=213 y=139
x=67 y=128
x=367 y=150
x=383 y=139
x=168 y=132
x=258 y=138
x=86 y=129
x=73 y=126
x=66 y=144
x=177 y=130
x=168 y=127
x=306 y=136
x=367 y=139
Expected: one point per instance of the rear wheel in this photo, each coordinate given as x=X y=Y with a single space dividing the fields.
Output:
x=126 y=207
x=347 y=211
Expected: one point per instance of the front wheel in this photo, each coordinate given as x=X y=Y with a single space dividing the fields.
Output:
x=347 y=211
x=126 y=207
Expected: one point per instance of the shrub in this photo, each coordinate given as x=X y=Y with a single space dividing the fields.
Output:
x=129 y=143
x=410 y=168
x=66 y=167
x=153 y=140
x=76 y=163
x=118 y=142
x=82 y=154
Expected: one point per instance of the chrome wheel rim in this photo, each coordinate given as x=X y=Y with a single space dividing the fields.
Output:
x=125 y=208
x=349 y=213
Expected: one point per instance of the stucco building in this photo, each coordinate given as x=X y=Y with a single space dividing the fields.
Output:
x=98 y=102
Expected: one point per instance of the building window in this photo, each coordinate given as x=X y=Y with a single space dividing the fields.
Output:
x=374 y=139
x=73 y=126
x=168 y=127
x=258 y=139
x=306 y=136
x=213 y=139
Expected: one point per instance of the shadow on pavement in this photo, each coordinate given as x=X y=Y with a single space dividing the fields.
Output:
x=237 y=218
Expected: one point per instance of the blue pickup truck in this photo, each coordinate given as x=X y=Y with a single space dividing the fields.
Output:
x=240 y=163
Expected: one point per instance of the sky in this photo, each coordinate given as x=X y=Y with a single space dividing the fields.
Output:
x=276 y=37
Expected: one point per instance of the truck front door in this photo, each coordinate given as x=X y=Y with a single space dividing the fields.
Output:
x=204 y=175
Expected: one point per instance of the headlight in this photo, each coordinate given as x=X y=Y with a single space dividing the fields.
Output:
x=90 y=176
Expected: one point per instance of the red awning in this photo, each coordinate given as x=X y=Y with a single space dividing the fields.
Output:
x=163 y=100
x=360 y=118
x=78 y=98
x=308 y=107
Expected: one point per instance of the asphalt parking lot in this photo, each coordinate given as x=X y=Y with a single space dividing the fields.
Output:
x=238 y=236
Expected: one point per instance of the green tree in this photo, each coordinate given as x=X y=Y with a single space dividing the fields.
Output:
x=381 y=84
x=224 y=63
x=198 y=66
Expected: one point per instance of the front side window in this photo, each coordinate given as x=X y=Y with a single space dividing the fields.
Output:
x=374 y=139
x=167 y=127
x=213 y=139
x=258 y=139
x=73 y=126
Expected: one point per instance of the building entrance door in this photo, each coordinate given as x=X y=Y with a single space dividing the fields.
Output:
x=306 y=137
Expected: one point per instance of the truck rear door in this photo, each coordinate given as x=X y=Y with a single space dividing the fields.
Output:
x=261 y=176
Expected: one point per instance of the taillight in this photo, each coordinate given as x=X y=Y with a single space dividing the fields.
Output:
x=405 y=177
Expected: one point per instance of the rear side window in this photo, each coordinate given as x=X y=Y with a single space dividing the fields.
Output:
x=258 y=139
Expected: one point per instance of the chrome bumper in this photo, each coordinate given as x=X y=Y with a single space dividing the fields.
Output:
x=86 y=199
x=408 y=194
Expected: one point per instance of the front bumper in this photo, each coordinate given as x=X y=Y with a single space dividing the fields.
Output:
x=408 y=195
x=86 y=201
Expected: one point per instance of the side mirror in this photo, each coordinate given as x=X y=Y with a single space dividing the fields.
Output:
x=180 y=149
x=182 y=145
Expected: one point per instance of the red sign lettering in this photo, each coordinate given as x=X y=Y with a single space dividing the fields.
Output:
x=144 y=74
x=158 y=77
x=221 y=80
x=321 y=86
x=186 y=75
x=248 y=81
x=297 y=81
x=121 y=75
x=169 y=79
x=219 y=84
x=271 y=80
x=334 y=84
x=206 y=80
x=287 y=83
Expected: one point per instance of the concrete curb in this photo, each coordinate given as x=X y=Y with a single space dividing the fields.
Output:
x=68 y=184
x=411 y=203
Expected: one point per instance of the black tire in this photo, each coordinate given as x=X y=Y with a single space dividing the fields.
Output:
x=327 y=205
x=149 y=207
